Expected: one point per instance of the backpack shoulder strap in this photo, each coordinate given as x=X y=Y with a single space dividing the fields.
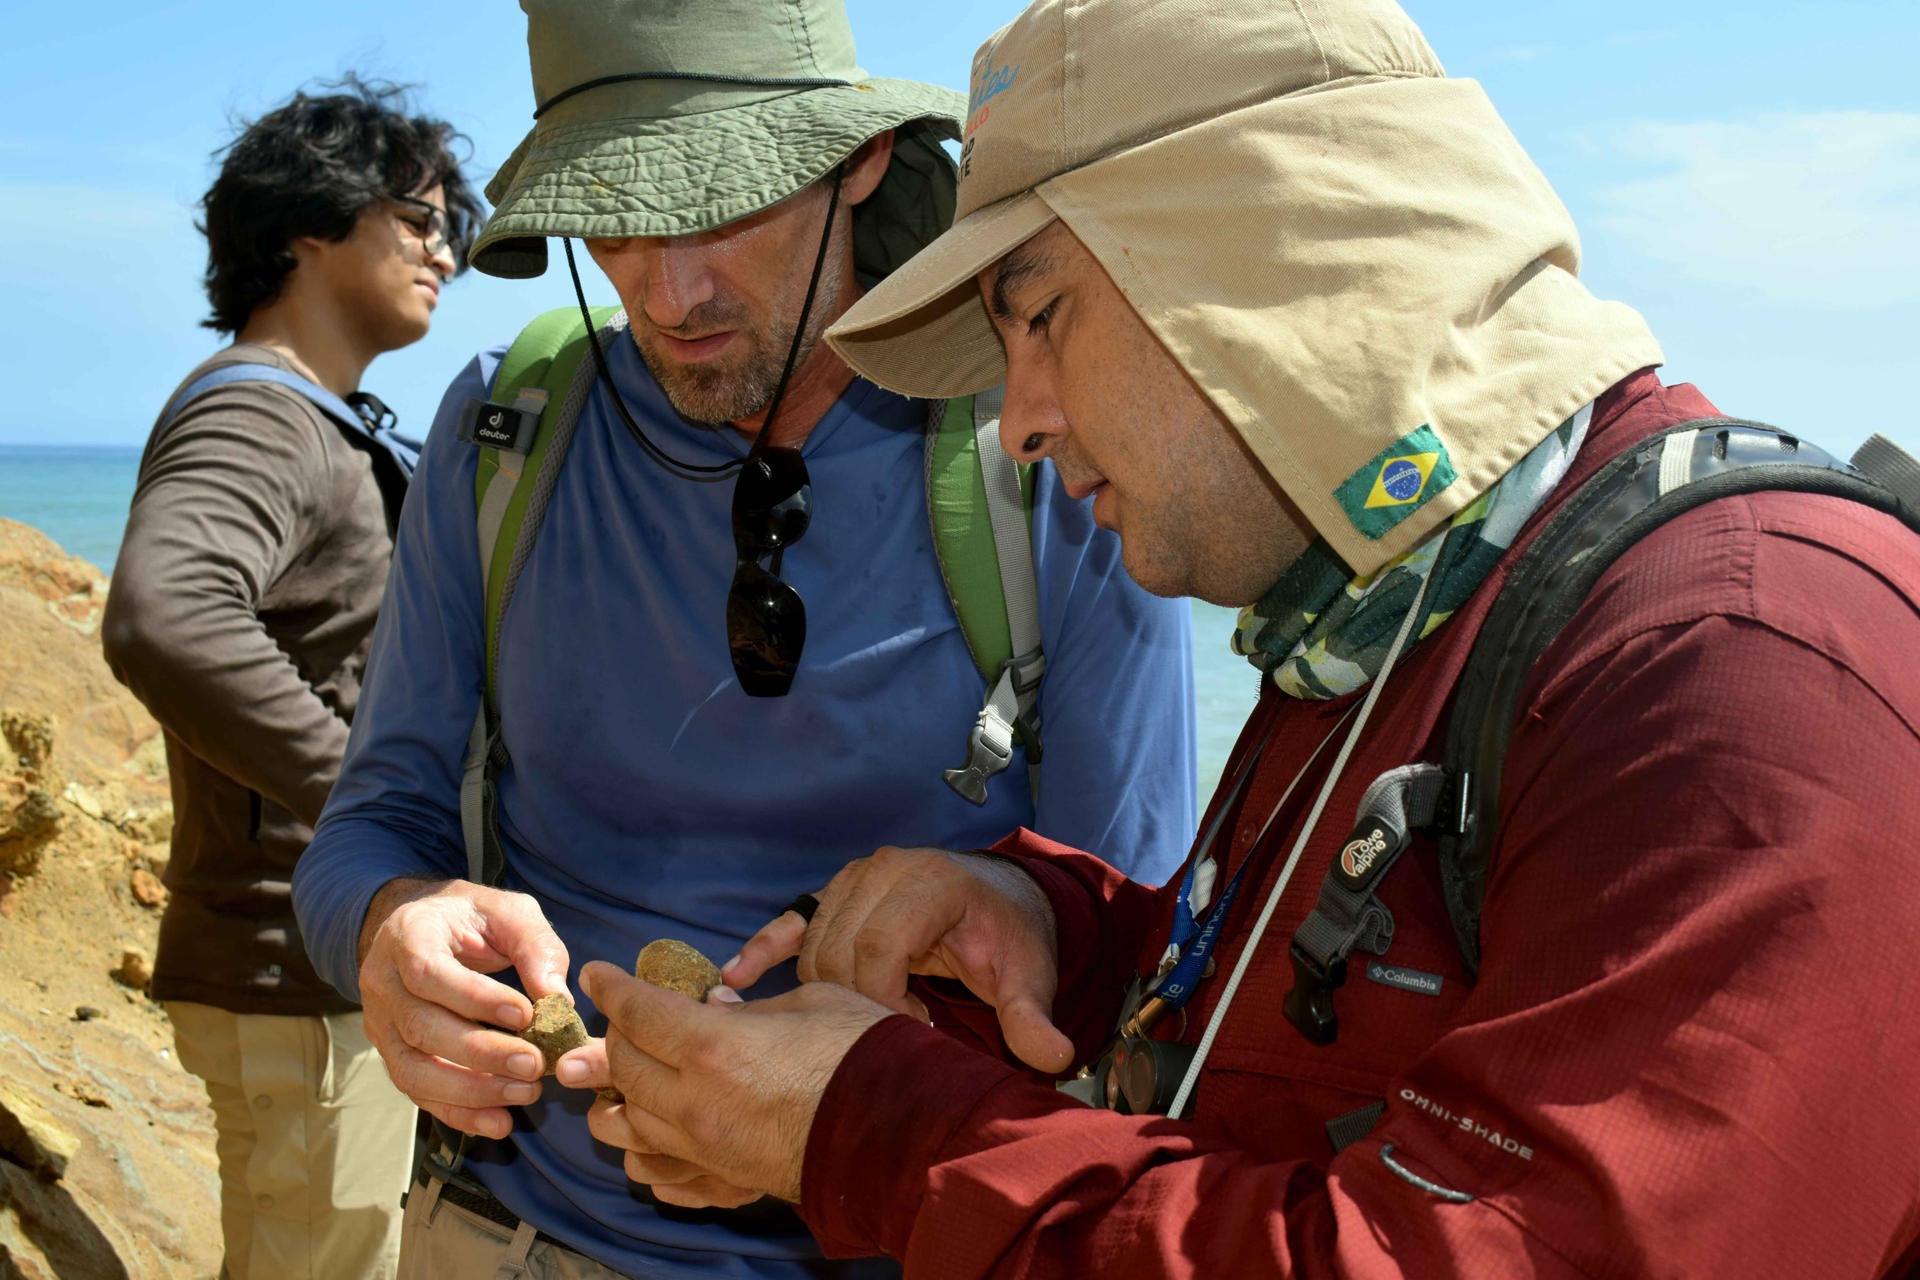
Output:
x=377 y=428
x=523 y=430
x=228 y=374
x=980 y=505
x=515 y=430
x=1663 y=477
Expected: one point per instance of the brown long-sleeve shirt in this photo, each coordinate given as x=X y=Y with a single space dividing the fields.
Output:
x=241 y=614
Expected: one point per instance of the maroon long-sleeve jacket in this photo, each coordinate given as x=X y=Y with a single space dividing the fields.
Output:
x=1693 y=1046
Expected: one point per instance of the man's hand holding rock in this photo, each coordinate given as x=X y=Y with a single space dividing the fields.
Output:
x=720 y=1097
x=425 y=950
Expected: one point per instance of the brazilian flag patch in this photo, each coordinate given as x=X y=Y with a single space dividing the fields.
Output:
x=1396 y=482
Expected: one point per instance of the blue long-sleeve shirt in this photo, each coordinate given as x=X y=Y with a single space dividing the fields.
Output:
x=649 y=797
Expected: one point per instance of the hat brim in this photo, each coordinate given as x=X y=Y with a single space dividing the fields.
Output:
x=924 y=331
x=617 y=175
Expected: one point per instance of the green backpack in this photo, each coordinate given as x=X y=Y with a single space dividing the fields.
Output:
x=979 y=503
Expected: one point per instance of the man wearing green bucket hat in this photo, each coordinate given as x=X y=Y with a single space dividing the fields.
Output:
x=741 y=647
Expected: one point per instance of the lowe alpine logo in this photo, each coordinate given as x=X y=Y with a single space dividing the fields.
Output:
x=1358 y=857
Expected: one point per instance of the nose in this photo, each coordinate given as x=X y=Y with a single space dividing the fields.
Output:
x=443 y=262
x=1031 y=420
x=677 y=279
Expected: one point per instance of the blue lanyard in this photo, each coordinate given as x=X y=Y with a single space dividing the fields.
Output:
x=1178 y=986
x=1194 y=941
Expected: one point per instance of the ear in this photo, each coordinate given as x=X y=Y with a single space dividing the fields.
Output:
x=305 y=249
x=866 y=167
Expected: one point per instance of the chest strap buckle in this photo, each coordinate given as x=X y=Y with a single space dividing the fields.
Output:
x=1309 y=1006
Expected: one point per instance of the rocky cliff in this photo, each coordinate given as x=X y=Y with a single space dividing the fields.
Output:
x=107 y=1168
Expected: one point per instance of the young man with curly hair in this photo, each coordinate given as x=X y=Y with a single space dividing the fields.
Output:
x=242 y=614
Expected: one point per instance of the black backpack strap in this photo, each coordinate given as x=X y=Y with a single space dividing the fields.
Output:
x=1349 y=915
x=1662 y=477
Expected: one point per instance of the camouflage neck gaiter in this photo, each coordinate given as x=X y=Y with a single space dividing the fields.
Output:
x=1321 y=632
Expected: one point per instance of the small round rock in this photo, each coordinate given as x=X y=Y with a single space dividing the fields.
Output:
x=136 y=969
x=556 y=1029
x=676 y=966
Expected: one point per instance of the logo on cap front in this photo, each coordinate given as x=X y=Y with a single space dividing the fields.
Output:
x=988 y=85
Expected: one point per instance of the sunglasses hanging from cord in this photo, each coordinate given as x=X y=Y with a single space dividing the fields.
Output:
x=772 y=507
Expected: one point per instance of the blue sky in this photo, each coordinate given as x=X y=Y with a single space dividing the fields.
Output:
x=1748 y=176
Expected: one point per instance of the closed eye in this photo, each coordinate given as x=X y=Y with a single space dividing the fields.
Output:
x=1038 y=324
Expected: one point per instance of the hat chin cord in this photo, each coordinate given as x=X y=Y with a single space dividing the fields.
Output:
x=707 y=473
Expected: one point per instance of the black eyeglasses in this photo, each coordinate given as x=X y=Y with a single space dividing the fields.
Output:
x=766 y=620
x=432 y=228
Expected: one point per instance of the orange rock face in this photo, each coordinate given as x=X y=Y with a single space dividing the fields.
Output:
x=82 y=784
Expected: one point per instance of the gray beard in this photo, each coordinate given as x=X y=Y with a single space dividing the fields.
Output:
x=713 y=397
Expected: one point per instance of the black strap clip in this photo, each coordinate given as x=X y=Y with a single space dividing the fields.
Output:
x=1309 y=1006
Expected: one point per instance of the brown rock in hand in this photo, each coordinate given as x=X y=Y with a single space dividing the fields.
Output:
x=677 y=967
x=669 y=963
x=556 y=1028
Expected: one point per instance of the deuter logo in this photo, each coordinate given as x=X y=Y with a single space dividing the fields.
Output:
x=498 y=427
x=1359 y=856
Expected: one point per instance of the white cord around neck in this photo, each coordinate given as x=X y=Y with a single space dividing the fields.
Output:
x=1299 y=846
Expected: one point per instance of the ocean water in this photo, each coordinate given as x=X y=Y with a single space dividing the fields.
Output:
x=76 y=496
x=79 y=496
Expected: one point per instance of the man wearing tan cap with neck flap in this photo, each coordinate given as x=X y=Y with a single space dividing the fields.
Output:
x=1569 y=935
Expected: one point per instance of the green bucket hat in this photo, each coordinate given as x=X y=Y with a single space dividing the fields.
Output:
x=673 y=117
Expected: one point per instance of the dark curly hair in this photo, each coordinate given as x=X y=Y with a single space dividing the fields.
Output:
x=307 y=168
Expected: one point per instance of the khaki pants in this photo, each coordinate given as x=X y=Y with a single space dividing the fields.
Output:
x=315 y=1143
x=442 y=1241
